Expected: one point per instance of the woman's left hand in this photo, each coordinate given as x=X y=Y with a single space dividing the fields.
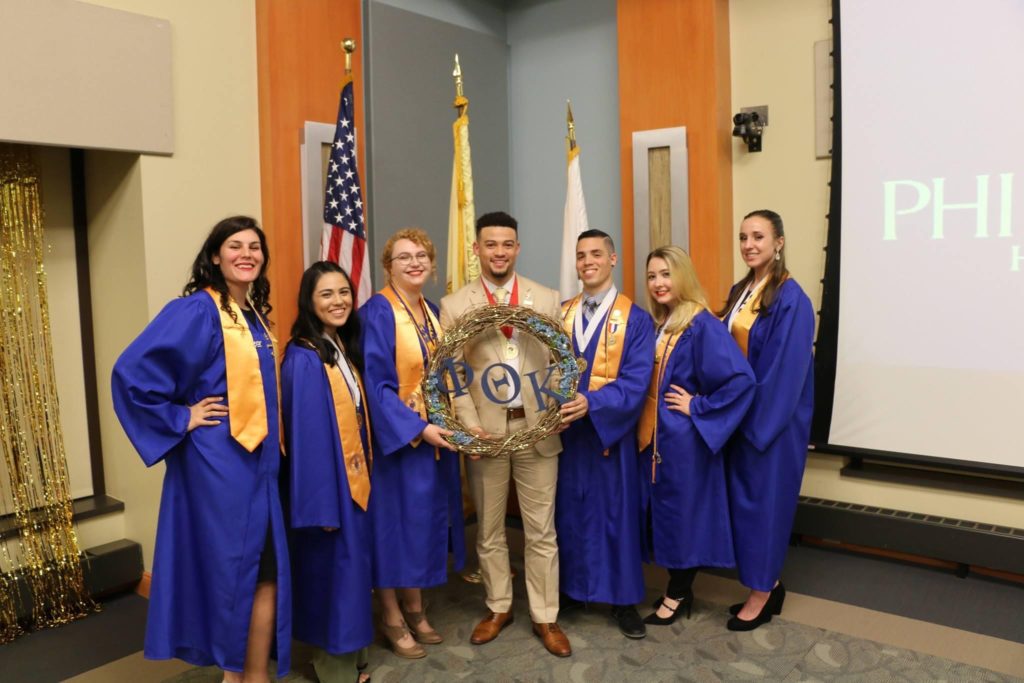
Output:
x=678 y=399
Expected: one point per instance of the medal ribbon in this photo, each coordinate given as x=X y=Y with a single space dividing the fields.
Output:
x=611 y=343
x=512 y=301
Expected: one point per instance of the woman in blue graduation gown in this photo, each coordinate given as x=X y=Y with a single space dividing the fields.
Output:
x=416 y=506
x=699 y=392
x=220 y=589
x=329 y=462
x=772 y=321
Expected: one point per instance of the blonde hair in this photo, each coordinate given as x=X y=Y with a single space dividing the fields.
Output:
x=686 y=291
x=415 y=235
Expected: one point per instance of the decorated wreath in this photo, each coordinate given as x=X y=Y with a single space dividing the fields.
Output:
x=481 y=319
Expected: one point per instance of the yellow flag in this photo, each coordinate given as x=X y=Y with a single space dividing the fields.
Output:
x=463 y=264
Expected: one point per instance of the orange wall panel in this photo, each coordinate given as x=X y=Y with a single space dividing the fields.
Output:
x=300 y=68
x=674 y=71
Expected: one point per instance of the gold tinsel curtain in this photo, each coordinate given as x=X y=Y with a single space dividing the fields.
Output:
x=40 y=555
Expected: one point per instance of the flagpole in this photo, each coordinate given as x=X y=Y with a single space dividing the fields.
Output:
x=349 y=46
x=571 y=138
x=460 y=104
x=575 y=215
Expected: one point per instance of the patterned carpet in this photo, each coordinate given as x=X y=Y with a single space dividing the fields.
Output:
x=699 y=649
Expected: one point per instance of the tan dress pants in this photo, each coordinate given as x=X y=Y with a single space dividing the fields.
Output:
x=536 y=479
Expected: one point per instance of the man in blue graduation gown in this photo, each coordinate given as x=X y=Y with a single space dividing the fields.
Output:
x=597 y=511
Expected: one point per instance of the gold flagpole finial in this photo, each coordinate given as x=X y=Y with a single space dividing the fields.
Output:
x=571 y=138
x=349 y=46
x=457 y=74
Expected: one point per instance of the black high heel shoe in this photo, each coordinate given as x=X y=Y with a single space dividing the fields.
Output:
x=735 y=609
x=686 y=601
x=772 y=606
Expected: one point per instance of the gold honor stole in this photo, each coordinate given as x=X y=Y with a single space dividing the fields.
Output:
x=747 y=316
x=608 y=355
x=357 y=462
x=247 y=406
x=647 y=431
x=409 y=358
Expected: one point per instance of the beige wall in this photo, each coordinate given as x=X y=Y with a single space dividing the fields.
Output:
x=65 y=321
x=149 y=215
x=87 y=77
x=772 y=43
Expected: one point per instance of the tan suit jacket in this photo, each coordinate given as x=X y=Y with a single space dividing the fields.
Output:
x=475 y=409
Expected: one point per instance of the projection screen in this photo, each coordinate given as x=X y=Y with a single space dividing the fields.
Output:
x=930 y=357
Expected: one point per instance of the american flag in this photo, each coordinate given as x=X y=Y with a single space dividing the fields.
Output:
x=344 y=236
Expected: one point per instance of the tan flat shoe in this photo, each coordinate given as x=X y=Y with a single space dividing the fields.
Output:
x=413 y=619
x=394 y=634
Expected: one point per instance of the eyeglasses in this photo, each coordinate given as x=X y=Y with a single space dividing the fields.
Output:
x=406 y=258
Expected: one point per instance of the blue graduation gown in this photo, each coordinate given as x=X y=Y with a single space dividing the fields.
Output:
x=766 y=457
x=686 y=504
x=331 y=570
x=597 y=510
x=416 y=500
x=218 y=499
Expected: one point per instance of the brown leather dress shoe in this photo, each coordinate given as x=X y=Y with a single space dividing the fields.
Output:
x=488 y=629
x=554 y=639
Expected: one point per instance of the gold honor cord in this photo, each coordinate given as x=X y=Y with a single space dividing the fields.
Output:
x=34 y=485
x=648 y=426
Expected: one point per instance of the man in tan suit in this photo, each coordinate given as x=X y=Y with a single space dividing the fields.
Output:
x=493 y=406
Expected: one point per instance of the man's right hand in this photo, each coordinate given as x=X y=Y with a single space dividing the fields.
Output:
x=479 y=433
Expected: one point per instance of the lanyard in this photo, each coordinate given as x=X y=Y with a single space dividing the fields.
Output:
x=583 y=337
x=427 y=335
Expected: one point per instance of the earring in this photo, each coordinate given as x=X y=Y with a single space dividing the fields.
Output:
x=778 y=255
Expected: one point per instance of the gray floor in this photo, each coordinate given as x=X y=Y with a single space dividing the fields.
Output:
x=699 y=649
x=59 y=653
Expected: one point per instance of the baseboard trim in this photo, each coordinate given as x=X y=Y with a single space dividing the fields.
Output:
x=957 y=544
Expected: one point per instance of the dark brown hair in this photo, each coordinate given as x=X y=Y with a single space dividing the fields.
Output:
x=776 y=276
x=205 y=273
x=308 y=329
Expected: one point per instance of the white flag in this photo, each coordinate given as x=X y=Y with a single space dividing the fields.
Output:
x=575 y=222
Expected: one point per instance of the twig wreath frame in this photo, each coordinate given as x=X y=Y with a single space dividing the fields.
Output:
x=436 y=387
